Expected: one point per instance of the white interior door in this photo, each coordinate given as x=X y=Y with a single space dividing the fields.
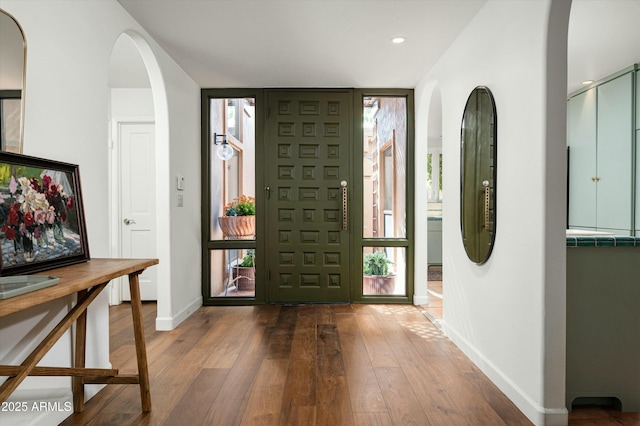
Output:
x=137 y=195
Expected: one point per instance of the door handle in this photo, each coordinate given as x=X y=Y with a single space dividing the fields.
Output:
x=129 y=221
x=344 y=204
x=487 y=205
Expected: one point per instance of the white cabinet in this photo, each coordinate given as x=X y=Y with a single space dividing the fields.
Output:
x=615 y=154
x=434 y=241
x=582 y=159
x=600 y=137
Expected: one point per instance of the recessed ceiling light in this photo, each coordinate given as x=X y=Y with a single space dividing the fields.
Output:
x=397 y=40
x=587 y=82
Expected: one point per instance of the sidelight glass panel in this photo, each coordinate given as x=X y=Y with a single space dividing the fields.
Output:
x=384 y=167
x=384 y=271
x=231 y=194
x=233 y=273
x=232 y=185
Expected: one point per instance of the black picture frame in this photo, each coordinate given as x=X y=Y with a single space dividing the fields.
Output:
x=42 y=223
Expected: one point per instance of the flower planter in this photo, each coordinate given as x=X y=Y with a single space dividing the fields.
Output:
x=238 y=227
x=244 y=278
x=378 y=284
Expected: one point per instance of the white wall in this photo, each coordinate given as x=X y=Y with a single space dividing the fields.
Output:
x=507 y=315
x=425 y=103
x=184 y=154
x=69 y=46
x=132 y=103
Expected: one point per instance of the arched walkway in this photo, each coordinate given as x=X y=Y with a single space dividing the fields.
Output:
x=137 y=43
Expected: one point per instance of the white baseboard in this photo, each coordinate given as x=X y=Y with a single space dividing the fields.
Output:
x=420 y=300
x=534 y=412
x=169 y=323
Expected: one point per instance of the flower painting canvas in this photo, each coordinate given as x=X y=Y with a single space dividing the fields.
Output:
x=41 y=215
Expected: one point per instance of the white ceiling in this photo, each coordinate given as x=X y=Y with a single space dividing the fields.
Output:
x=604 y=37
x=343 y=43
x=304 y=43
x=346 y=43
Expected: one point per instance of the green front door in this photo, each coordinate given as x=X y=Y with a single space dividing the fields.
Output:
x=308 y=143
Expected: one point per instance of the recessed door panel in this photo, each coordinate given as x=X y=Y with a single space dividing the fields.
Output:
x=307 y=146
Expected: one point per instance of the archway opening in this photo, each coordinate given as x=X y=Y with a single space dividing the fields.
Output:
x=434 y=307
x=139 y=142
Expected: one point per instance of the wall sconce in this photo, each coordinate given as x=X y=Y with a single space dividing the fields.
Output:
x=225 y=151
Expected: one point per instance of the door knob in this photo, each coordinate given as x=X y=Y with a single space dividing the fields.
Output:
x=129 y=221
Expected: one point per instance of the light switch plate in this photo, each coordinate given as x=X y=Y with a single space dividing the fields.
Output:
x=180 y=183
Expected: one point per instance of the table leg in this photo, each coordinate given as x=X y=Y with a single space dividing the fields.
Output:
x=47 y=343
x=77 y=384
x=141 y=349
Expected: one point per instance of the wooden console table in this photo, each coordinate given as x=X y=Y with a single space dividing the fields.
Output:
x=86 y=280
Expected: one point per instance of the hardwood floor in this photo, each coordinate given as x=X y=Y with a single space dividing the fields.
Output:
x=433 y=309
x=298 y=365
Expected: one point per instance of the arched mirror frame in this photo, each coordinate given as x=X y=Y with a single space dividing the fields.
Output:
x=478 y=173
x=10 y=93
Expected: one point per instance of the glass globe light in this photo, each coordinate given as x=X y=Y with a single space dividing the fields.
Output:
x=225 y=151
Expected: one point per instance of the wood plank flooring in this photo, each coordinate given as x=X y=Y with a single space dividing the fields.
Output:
x=298 y=365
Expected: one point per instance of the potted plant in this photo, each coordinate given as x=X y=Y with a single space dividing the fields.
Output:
x=244 y=274
x=239 y=220
x=376 y=278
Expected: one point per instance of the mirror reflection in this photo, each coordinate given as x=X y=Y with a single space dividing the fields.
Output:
x=478 y=175
x=12 y=61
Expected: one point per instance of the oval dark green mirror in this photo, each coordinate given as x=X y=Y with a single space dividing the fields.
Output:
x=12 y=76
x=478 y=157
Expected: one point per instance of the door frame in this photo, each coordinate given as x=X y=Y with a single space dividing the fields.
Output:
x=357 y=242
x=207 y=244
x=114 y=191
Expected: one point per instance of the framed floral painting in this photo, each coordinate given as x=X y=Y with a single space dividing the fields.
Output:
x=41 y=215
